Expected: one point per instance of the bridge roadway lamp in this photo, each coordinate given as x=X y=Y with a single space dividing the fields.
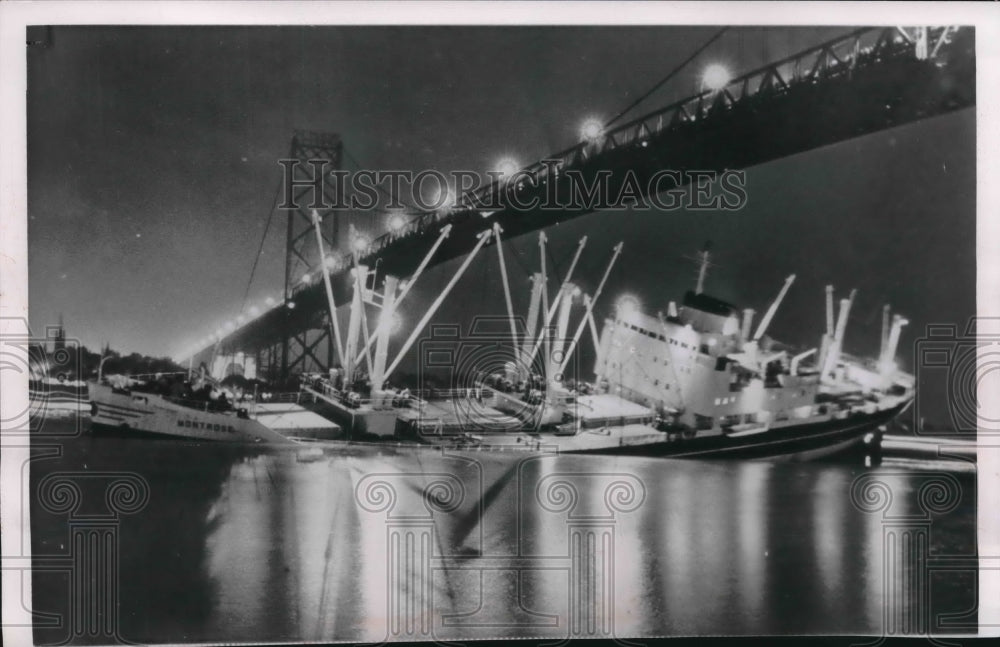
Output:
x=360 y=244
x=507 y=166
x=591 y=129
x=395 y=223
x=445 y=199
x=715 y=77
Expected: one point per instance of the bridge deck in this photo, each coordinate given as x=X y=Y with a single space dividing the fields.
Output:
x=836 y=91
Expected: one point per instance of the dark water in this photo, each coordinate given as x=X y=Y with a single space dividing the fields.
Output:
x=367 y=545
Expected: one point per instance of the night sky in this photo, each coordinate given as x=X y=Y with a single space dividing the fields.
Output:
x=152 y=164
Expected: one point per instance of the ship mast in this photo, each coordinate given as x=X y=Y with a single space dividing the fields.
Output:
x=750 y=346
x=766 y=321
x=703 y=269
x=837 y=343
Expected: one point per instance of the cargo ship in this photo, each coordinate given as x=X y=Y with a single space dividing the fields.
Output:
x=700 y=380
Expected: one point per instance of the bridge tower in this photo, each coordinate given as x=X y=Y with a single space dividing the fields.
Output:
x=309 y=184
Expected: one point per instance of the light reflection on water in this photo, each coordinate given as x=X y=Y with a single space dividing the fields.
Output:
x=279 y=546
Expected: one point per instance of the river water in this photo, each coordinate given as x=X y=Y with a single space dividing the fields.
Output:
x=215 y=543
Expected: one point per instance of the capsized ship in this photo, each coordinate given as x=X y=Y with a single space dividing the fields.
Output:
x=135 y=408
x=700 y=380
x=715 y=385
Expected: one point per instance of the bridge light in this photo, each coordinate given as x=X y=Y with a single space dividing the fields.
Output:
x=254 y=311
x=230 y=325
x=218 y=333
x=240 y=320
x=715 y=77
x=269 y=301
x=591 y=129
x=360 y=244
x=396 y=222
x=627 y=304
x=291 y=305
x=306 y=279
x=444 y=199
x=330 y=263
x=508 y=166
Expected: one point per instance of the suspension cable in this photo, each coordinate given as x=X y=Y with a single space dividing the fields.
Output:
x=260 y=248
x=669 y=76
x=378 y=187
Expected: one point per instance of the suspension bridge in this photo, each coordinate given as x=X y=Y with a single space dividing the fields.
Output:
x=864 y=81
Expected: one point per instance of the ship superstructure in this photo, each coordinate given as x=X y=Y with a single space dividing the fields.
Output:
x=703 y=367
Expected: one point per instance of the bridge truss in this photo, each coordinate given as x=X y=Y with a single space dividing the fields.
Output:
x=862 y=82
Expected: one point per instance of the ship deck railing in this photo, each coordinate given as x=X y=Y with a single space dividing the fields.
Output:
x=207 y=406
x=395 y=399
x=231 y=406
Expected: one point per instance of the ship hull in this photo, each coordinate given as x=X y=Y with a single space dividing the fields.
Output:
x=795 y=442
x=123 y=415
x=148 y=415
